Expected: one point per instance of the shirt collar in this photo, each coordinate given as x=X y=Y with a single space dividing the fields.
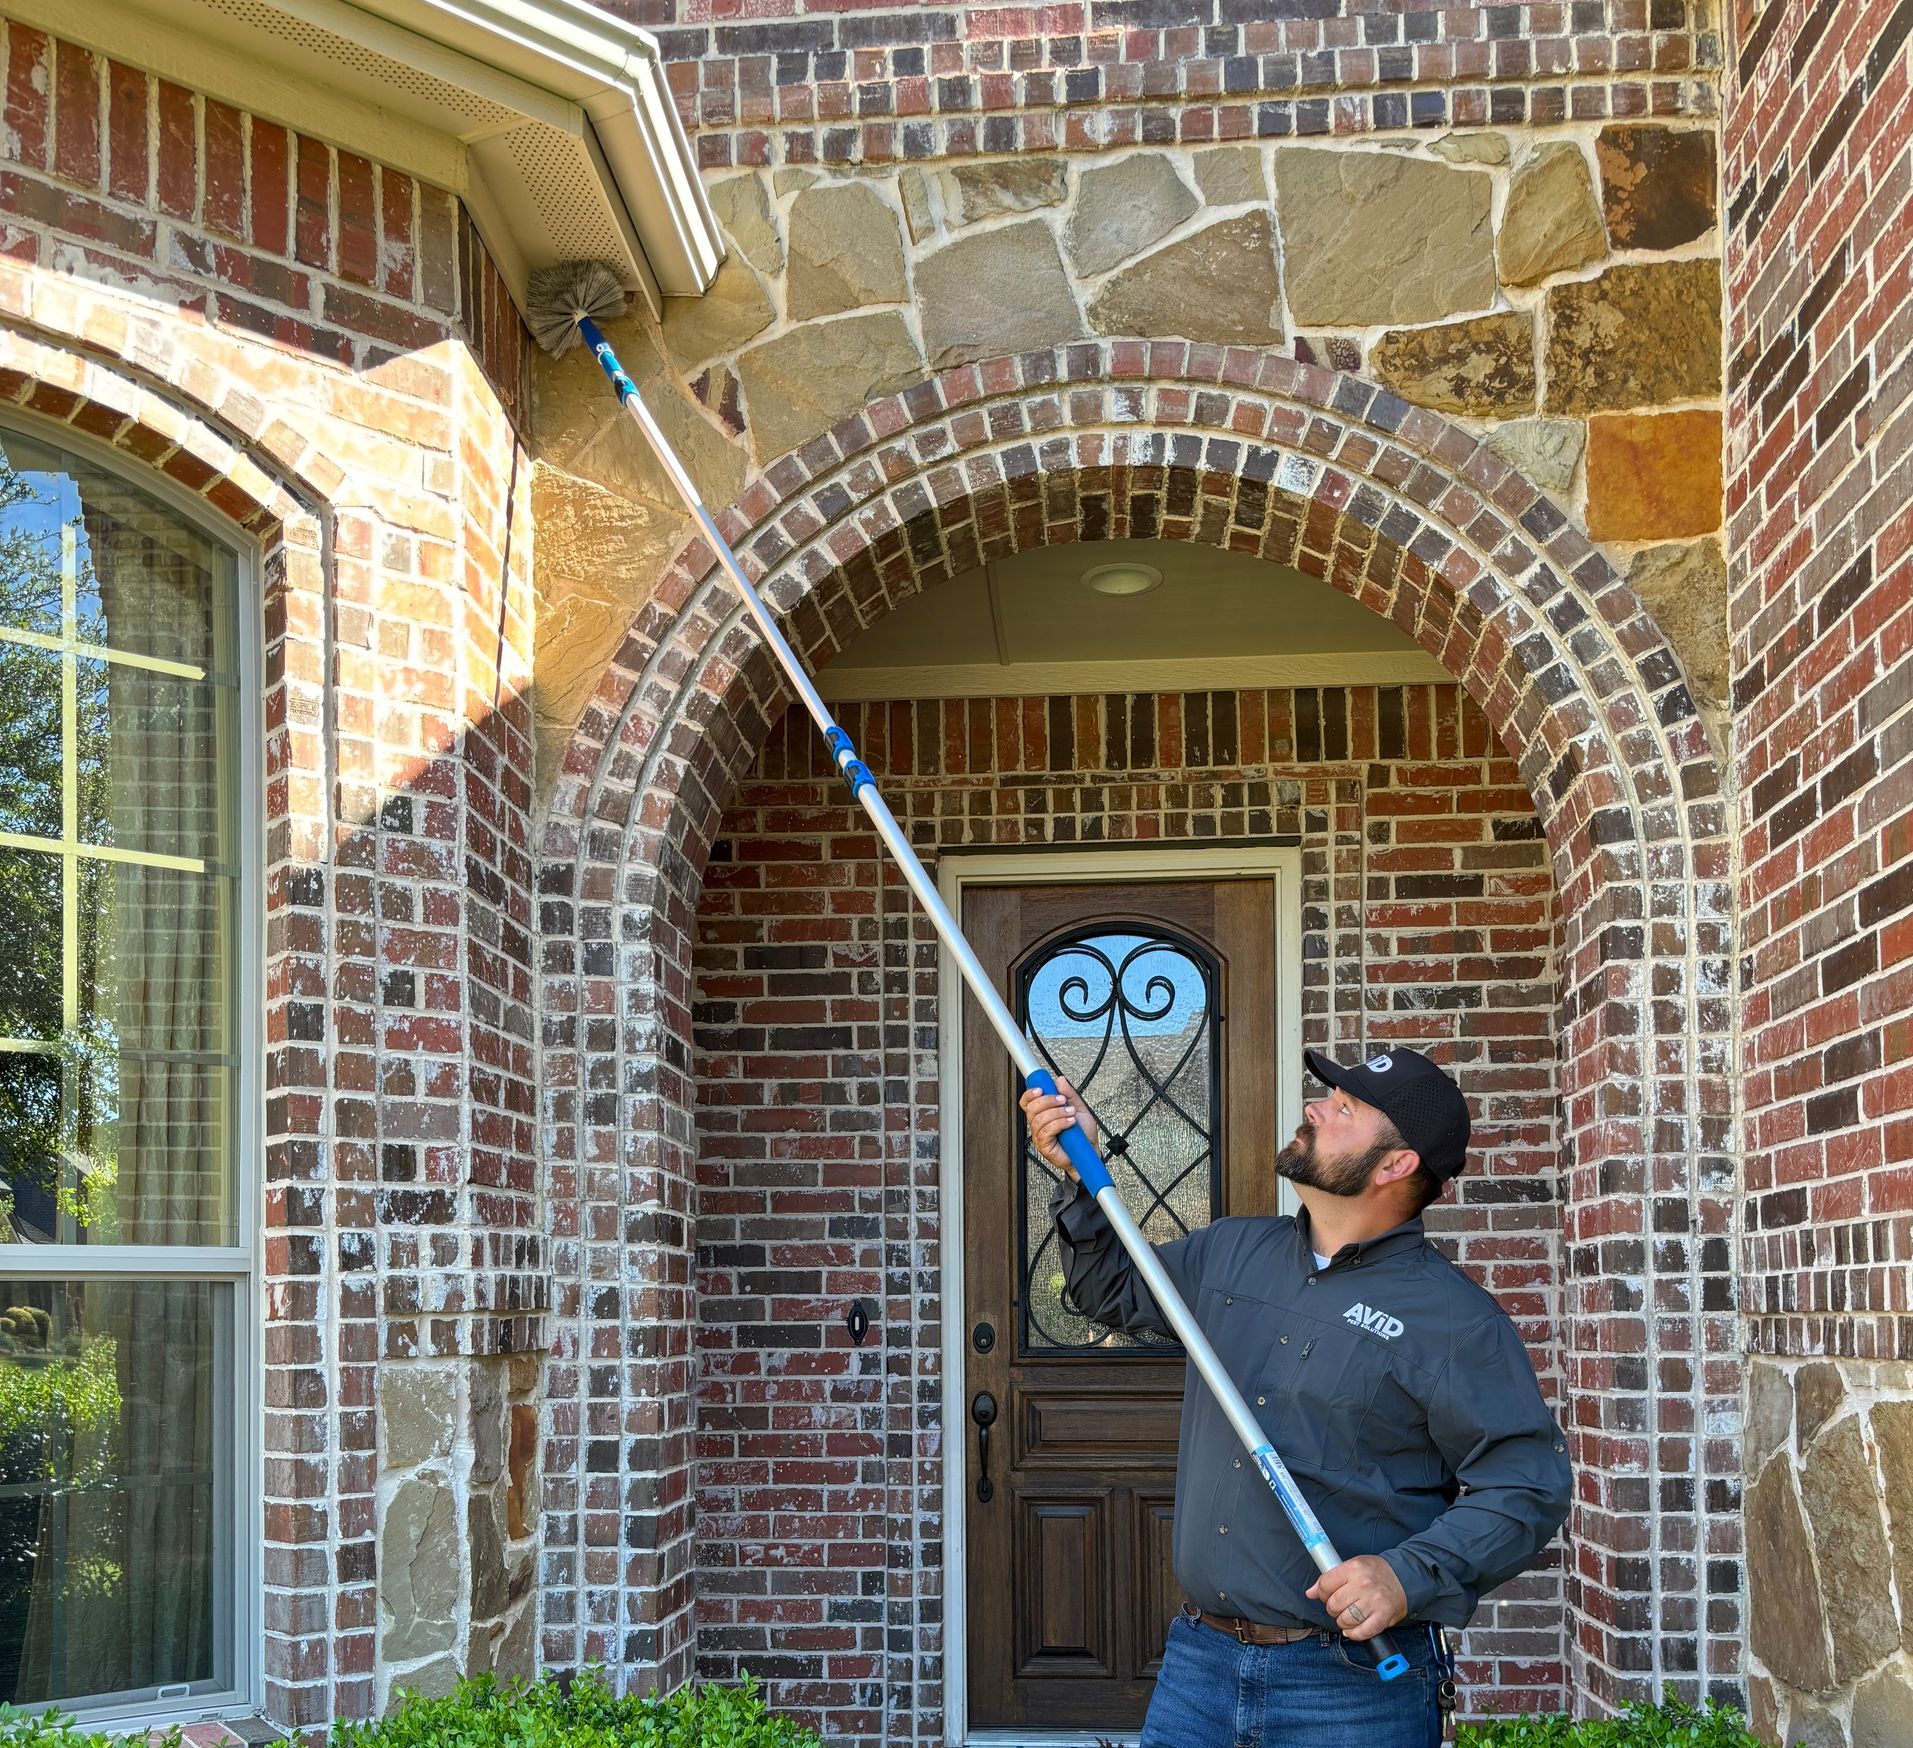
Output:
x=1396 y=1238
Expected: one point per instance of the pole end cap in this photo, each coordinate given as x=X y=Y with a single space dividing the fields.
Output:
x=1390 y=1667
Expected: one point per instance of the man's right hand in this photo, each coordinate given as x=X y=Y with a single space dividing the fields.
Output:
x=1048 y=1115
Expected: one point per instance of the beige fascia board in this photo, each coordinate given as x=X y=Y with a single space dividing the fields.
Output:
x=1191 y=674
x=614 y=74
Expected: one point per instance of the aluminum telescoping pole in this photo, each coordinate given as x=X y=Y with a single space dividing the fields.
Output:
x=1075 y=1143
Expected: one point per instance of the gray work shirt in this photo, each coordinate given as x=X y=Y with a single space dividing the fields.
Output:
x=1396 y=1390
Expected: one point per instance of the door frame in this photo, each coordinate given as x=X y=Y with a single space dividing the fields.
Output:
x=958 y=869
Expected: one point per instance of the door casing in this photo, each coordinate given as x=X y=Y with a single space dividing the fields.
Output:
x=957 y=869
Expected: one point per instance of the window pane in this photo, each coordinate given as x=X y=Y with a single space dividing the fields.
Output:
x=29 y=740
x=37 y=499
x=115 y=1489
x=150 y=583
x=29 y=1148
x=30 y=966
x=1128 y=1018
x=148 y=759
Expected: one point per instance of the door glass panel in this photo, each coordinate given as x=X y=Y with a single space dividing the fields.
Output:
x=115 y=1489
x=1128 y=1015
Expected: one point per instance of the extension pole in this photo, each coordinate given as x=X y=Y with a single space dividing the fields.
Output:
x=1075 y=1143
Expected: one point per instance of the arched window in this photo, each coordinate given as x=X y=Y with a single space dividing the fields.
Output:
x=127 y=705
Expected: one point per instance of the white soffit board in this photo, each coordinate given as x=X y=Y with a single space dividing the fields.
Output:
x=1362 y=667
x=549 y=118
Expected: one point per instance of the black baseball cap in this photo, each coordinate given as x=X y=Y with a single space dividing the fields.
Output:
x=1425 y=1106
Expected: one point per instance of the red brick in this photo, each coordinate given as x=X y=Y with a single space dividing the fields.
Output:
x=29 y=89
x=270 y=156
x=225 y=170
x=178 y=151
x=312 y=224
x=76 y=146
x=358 y=238
x=129 y=176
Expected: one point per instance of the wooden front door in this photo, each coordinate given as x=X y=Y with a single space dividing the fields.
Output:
x=1158 y=1001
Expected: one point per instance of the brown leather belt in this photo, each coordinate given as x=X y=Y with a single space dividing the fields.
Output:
x=1252 y=1632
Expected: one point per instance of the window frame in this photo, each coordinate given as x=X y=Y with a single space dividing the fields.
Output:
x=238 y=1266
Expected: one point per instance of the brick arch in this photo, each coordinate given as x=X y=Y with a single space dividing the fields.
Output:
x=1407 y=513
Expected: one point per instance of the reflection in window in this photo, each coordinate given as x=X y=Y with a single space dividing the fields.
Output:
x=117 y=700
x=1127 y=1014
x=113 y=1561
x=118 y=1093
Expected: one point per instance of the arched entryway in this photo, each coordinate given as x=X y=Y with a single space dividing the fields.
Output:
x=1390 y=504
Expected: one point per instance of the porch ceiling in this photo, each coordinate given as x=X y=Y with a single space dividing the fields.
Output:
x=1219 y=619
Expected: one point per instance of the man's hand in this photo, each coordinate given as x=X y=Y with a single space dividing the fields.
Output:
x=1363 y=1595
x=1049 y=1114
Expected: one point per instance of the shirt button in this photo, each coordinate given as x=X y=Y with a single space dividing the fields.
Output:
x=1285 y=1341
x=1229 y=1301
x=1223 y=1531
x=1261 y=1401
x=1309 y=1282
x=1238 y=1462
x=1560 y=1447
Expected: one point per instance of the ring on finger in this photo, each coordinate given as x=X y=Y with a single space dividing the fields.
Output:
x=1357 y=1613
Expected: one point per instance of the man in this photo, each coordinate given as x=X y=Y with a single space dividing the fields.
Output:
x=1397 y=1391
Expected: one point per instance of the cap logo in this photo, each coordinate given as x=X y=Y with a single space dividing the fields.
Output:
x=1380 y=1064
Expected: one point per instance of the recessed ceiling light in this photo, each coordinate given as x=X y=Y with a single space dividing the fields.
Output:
x=1122 y=579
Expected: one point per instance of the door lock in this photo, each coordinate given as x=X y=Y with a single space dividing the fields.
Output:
x=983 y=1412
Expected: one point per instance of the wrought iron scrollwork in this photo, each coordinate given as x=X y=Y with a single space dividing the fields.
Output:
x=1127 y=1013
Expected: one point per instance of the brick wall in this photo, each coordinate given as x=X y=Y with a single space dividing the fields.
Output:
x=118 y=176
x=843 y=83
x=1819 y=176
x=318 y=347
x=1428 y=916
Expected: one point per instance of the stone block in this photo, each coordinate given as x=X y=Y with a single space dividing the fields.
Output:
x=919 y=203
x=433 y=1680
x=1546 y=451
x=522 y=1465
x=735 y=309
x=1685 y=588
x=846 y=252
x=1883 y=1710
x=1818 y=1389
x=743 y=207
x=972 y=192
x=1482 y=366
x=488 y=1421
x=1637 y=336
x=1122 y=208
x=1483 y=148
x=1218 y=285
x=1654 y=476
x=1769 y=1410
x=1787 y=1619
x=418 y=1414
x=964 y=311
x=1376 y=238
x=1842 y=1500
x=1551 y=223
x=487 y=1549
x=1231 y=175
x=1657 y=184
x=419 y=1572
x=1892 y=1424
x=804 y=381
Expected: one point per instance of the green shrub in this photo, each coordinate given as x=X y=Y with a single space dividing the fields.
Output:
x=1673 y=1725
x=583 y=1714
x=20 y=1729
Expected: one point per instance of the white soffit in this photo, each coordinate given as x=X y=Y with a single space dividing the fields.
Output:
x=549 y=117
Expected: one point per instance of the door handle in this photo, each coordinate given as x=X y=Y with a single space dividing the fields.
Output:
x=983 y=1412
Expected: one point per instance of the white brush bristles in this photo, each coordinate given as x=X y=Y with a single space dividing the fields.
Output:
x=559 y=296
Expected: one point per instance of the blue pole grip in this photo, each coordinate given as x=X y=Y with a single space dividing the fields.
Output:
x=1088 y=1162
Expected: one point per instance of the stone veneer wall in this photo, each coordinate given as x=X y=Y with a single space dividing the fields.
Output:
x=1819 y=174
x=318 y=347
x=1427 y=916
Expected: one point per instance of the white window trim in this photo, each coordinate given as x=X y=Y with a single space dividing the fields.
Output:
x=241 y=1265
x=958 y=869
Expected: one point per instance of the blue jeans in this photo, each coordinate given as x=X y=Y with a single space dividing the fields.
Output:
x=1319 y=1692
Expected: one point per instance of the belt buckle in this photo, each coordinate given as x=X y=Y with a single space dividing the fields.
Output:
x=1243 y=1630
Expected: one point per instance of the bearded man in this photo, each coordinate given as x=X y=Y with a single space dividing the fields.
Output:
x=1398 y=1392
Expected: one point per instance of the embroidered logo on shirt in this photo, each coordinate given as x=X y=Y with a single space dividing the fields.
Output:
x=1375 y=1322
x=1380 y=1064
